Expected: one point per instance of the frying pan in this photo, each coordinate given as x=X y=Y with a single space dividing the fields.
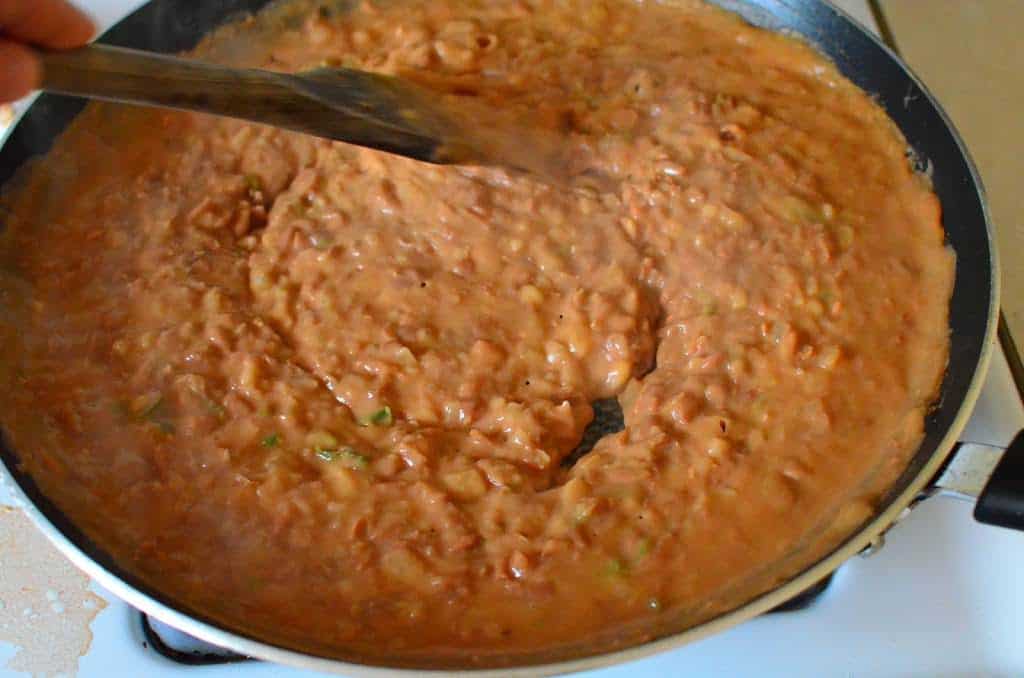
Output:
x=935 y=148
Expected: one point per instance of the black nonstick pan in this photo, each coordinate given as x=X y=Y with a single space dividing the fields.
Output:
x=934 y=148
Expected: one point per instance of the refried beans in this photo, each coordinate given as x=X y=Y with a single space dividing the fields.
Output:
x=328 y=396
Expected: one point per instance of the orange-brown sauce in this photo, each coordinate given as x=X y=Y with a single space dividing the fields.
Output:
x=324 y=393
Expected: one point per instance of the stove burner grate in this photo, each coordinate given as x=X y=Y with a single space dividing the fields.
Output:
x=182 y=648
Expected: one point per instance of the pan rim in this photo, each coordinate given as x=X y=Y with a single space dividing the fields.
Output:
x=142 y=596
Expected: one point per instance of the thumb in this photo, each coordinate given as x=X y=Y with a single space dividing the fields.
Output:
x=20 y=71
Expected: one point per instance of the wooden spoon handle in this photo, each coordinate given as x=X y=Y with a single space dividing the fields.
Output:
x=282 y=100
x=131 y=76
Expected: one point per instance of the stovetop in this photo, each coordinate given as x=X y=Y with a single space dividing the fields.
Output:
x=943 y=597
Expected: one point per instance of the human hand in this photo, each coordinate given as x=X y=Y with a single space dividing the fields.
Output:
x=52 y=24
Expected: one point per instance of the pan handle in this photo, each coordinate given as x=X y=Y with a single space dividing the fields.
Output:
x=1002 y=501
x=991 y=476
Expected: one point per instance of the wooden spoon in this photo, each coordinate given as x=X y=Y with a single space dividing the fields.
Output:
x=367 y=109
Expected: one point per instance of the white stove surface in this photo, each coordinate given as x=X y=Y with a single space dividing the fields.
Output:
x=944 y=597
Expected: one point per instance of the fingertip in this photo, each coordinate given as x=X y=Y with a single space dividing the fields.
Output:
x=48 y=23
x=76 y=28
x=20 y=71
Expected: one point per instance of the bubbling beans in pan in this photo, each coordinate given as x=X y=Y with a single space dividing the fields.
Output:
x=329 y=395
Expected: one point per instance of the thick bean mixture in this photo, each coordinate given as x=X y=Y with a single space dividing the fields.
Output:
x=329 y=395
